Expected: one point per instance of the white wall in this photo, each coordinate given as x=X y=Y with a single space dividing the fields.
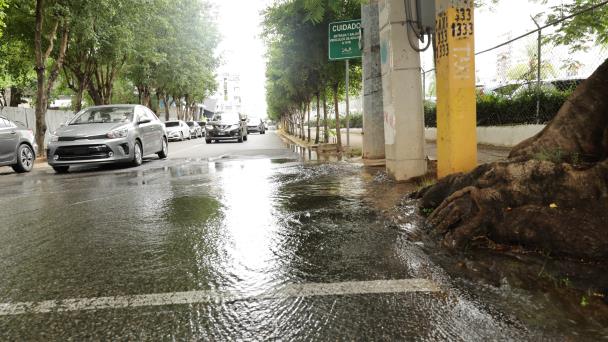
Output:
x=505 y=136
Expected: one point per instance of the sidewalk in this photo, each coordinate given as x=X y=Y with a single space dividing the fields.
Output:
x=485 y=153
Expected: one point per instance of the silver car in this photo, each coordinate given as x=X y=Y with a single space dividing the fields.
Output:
x=17 y=146
x=108 y=134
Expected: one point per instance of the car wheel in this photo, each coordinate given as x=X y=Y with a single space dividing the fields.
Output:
x=137 y=154
x=165 y=150
x=25 y=159
x=61 y=169
x=208 y=141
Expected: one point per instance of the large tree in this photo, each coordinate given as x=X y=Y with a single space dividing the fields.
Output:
x=551 y=195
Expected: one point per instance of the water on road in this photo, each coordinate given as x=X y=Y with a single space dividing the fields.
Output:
x=227 y=248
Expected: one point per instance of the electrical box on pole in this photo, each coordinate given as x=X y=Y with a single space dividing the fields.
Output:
x=425 y=14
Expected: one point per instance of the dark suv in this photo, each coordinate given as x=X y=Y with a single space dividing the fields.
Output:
x=17 y=146
x=226 y=126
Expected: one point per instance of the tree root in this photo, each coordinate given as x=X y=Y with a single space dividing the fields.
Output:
x=535 y=204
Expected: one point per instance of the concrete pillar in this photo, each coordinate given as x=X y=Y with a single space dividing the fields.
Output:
x=455 y=62
x=373 y=113
x=402 y=94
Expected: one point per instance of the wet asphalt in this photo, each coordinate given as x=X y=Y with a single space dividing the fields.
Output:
x=221 y=226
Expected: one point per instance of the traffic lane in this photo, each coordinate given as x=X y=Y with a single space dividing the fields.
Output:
x=198 y=148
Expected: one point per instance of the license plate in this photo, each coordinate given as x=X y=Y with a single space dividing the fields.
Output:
x=221 y=133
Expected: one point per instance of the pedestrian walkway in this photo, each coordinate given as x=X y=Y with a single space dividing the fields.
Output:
x=485 y=153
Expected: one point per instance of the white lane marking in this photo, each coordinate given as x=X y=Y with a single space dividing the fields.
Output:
x=210 y=296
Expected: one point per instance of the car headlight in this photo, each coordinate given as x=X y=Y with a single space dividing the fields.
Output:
x=233 y=127
x=54 y=138
x=118 y=133
x=209 y=127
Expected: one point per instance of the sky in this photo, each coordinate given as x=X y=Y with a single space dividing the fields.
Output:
x=242 y=50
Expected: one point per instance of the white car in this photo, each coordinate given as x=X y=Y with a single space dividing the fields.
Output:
x=177 y=130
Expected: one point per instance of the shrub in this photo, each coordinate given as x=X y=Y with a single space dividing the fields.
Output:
x=497 y=110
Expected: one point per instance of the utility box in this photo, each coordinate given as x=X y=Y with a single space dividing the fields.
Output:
x=425 y=15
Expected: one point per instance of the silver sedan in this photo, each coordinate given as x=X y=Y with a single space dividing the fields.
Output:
x=108 y=134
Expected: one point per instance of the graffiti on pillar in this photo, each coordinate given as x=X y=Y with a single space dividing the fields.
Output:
x=389 y=128
x=384 y=51
x=442 y=48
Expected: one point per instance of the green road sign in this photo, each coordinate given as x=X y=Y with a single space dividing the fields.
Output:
x=344 y=38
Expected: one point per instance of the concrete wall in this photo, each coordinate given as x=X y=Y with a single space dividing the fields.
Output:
x=505 y=136
x=27 y=116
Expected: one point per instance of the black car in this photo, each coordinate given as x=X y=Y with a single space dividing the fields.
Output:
x=255 y=124
x=226 y=126
x=17 y=146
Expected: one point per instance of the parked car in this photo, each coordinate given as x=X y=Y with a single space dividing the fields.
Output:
x=202 y=124
x=108 y=134
x=255 y=124
x=177 y=130
x=195 y=129
x=17 y=146
x=226 y=126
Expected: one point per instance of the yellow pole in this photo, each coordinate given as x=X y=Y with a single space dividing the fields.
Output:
x=456 y=106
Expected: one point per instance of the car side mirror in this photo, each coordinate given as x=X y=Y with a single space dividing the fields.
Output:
x=144 y=121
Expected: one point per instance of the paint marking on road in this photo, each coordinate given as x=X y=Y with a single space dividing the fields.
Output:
x=210 y=296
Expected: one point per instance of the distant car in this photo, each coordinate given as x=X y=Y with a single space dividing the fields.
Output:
x=108 y=134
x=255 y=124
x=177 y=130
x=226 y=126
x=17 y=146
x=195 y=129
x=202 y=124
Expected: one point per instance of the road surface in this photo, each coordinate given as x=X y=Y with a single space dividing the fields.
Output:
x=236 y=242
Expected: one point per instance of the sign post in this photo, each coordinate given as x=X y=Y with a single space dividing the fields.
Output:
x=344 y=44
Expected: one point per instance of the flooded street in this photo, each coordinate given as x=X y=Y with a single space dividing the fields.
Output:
x=261 y=247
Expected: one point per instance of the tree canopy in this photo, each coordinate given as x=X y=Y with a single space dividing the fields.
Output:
x=155 y=47
x=298 y=68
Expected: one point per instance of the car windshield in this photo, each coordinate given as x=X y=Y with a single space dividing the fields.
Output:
x=171 y=124
x=104 y=115
x=190 y=123
x=232 y=117
x=253 y=119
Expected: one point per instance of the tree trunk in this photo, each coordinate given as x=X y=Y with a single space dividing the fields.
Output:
x=550 y=195
x=16 y=97
x=325 y=124
x=338 y=133
x=308 y=120
x=145 y=96
x=45 y=85
x=318 y=118
x=157 y=104
x=167 y=106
